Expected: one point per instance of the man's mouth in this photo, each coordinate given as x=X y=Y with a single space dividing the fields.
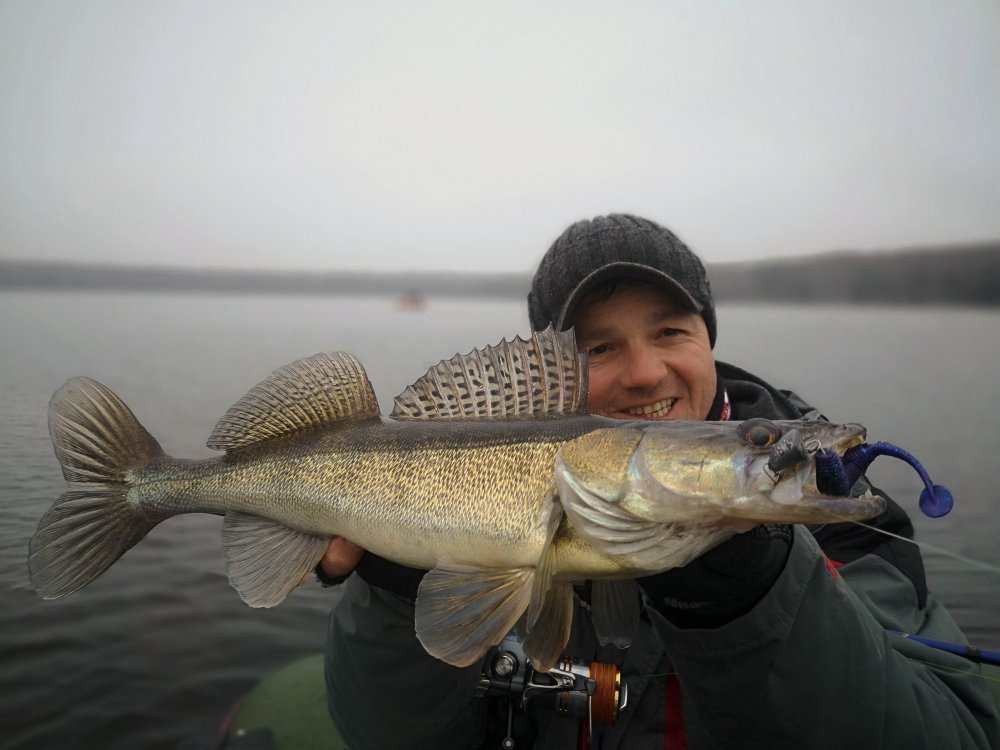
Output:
x=651 y=411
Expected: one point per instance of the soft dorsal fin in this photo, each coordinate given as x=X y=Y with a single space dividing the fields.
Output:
x=310 y=392
x=541 y=376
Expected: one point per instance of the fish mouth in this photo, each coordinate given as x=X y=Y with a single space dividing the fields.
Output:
x=793 y=495
x=655 y=410
x=801 y=480
x=854 y=435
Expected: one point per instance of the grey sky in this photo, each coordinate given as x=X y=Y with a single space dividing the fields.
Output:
x=461 y=135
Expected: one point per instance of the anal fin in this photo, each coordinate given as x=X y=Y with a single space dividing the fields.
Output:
x=267 y=561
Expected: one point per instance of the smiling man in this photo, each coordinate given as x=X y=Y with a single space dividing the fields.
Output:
x=773 y=639
x=650 y=358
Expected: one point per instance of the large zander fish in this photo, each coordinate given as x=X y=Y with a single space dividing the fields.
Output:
x=488 y=473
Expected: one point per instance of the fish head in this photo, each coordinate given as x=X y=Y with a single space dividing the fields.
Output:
x=713 y=474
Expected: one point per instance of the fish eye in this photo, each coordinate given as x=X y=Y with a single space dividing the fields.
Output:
x=760 y=433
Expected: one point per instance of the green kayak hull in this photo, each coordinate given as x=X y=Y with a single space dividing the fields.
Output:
x=286 y=710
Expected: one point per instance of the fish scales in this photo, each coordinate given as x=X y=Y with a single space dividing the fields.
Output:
x=430 y=484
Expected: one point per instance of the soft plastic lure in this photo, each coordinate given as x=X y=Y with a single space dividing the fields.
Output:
x=836 y=475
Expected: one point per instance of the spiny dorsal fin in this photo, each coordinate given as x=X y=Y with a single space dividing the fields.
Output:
x=543 y=376
x=310 y=392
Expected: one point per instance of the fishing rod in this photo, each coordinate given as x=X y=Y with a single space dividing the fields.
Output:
x=972 y=653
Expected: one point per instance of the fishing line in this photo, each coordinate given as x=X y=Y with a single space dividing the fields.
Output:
x=932 y=548
x=972 y=653
x=935 y=665
x=652 y=676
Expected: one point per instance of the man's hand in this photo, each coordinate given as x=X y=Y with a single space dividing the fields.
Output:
x=339 y=561
x=343 y=558
x=725 y=582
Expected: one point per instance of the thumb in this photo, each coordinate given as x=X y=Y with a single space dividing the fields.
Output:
x=340 y=558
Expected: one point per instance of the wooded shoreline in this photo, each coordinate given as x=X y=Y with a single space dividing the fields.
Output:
x=963 y=275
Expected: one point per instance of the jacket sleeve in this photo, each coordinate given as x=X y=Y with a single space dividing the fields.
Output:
x=812 y=666
x=384 y=690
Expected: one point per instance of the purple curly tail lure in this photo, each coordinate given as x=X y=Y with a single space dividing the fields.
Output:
x=836 y=476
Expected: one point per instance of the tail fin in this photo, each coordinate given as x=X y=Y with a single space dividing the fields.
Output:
x=98 y=441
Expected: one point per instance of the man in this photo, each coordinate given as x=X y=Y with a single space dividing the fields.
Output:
x=773 y=639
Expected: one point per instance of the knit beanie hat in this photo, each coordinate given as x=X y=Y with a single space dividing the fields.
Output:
x=613 y=247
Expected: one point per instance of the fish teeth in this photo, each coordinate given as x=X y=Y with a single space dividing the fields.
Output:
x=659 y=409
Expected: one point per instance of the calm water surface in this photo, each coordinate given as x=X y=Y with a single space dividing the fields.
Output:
x=155 y=652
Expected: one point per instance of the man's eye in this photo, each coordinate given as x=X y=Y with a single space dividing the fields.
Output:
x=669 y=331
x=598 y=349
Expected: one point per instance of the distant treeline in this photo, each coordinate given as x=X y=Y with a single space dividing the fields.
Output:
x=963 y=275
x=966 y=275
x=27 y=274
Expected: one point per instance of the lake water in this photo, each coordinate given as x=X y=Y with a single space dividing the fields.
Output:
x=155 y=652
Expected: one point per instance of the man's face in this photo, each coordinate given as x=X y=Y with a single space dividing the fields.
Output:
x=649 y=358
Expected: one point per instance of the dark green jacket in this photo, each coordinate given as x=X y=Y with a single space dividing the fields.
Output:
x=810 y=666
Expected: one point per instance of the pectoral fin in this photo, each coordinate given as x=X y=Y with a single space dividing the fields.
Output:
x=462 y=612
x=266 y=560
x=547 y=636
x=613 y=530
x=616 y=611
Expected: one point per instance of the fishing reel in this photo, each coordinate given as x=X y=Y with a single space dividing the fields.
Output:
x=572 y=688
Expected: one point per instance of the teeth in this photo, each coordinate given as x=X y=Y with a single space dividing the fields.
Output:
x=659 y=409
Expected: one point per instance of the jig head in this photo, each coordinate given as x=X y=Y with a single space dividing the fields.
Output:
x=787 y=452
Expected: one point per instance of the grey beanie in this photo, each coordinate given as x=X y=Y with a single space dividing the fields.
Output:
x=617 y=246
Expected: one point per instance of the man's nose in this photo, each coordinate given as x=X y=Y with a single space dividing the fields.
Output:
x=644 y=369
